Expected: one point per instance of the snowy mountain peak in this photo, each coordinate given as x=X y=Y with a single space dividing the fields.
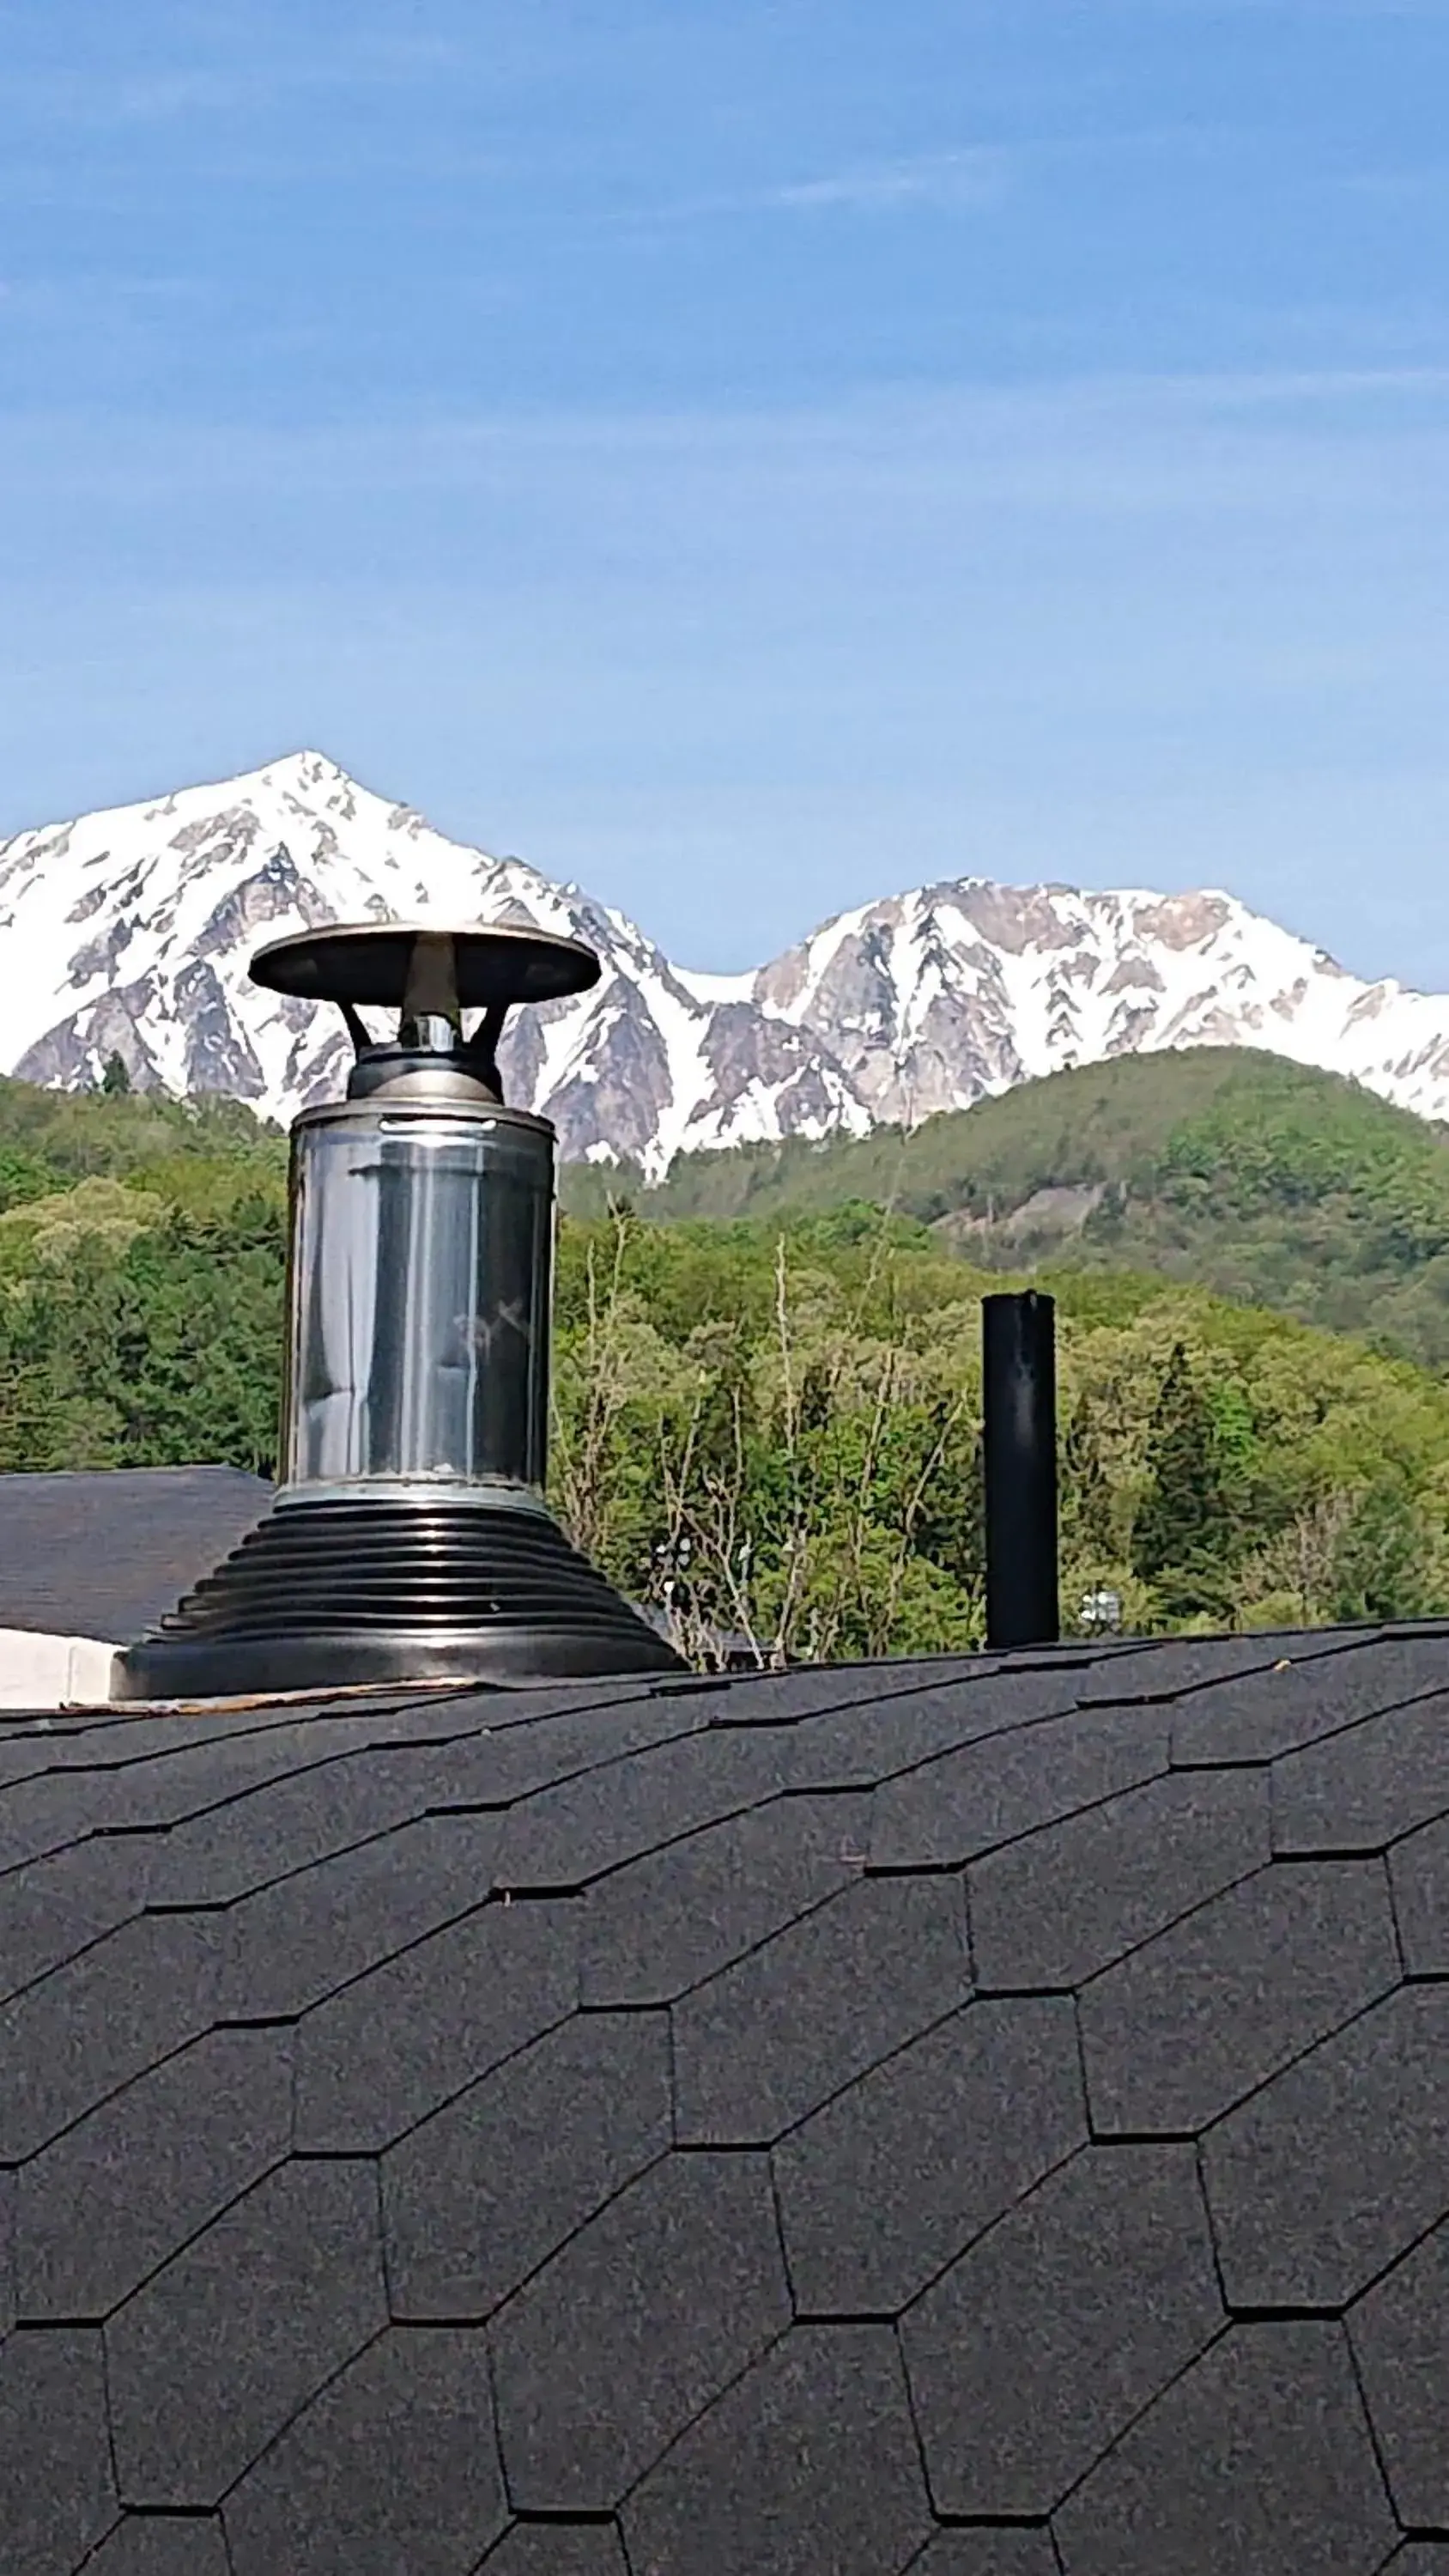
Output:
x=128 y=933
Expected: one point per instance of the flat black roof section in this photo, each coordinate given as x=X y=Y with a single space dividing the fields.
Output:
x=106 y=1554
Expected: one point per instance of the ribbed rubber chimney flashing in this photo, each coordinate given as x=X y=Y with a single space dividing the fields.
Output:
x=410 y=1540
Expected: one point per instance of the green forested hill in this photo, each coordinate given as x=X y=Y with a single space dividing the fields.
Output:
x=770 y=1424
x=142 y=1255
x=1260 y=1179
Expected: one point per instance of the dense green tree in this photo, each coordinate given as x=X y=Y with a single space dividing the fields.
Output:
x=1382 y=1563
x=1182 y=1533
x=1088 y=1517
x=24 y=1176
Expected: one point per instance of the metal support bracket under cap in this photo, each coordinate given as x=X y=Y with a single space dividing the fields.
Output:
x=430 y=977
x=431 y=990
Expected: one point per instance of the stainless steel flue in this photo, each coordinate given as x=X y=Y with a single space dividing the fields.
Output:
x=410 y=1539
x=422 y=1237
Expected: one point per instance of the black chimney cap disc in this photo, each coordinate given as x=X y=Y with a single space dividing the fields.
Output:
x=372 y=962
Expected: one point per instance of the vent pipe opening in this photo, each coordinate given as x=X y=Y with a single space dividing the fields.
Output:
x=410 y=1540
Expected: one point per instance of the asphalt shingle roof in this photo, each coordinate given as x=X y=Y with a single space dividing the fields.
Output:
x=973 y=2119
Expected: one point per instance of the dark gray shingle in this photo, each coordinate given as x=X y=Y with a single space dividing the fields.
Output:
x=767 y=2041
x=57 y=2494
x=887 y=2185
x=1326 y=2177
x=102 y=2207
x=151 y=2544
x=1257 y=2462
x=1199 y=2017
x=753 y=2490
x=625 y=2337
x=486 y=2190
x=218 y=2352
x=393 y=2466
x=1400 y=2336
x=1100 y=2288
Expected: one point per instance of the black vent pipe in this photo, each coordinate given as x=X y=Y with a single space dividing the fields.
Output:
x=1019 y=1441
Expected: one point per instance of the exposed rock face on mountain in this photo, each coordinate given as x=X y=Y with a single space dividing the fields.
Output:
x=932 y=998
x=128 y=933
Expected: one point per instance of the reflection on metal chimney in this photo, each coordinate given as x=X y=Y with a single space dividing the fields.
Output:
x=410 y=1541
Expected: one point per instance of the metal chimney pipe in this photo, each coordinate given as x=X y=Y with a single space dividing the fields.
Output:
x=410 y=1540
x=1019 y=1441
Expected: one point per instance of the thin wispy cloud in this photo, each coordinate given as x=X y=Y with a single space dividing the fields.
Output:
x=978 y=177
x=963 y=178
x=1399 y=187
x=963 y=181
x=234 y=81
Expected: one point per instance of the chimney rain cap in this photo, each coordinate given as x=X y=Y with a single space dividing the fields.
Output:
x=377 y=962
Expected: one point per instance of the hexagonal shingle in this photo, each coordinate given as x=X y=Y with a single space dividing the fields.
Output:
x=767 y=2041
x=57 y=1907
x=57 y=2498
x=1100 y=2287
x=1198 y=2018
x=1257 y=2462
x=1002 y=2552
x=299 y=1940
x=140 y=1993
x=1052 y=1910
x=967 y=1802
x=682 y=2282
x=479 y=2196
x=1362 y=1789
x=752 y=2490
x=666 y=1922
x=526 y=1748
x=1174 y=1668
x=45 y=1813
x=557 y=2549
x=886 y=2185
x=1300 y=1700
x=897 y=1688
x=150 y=2544
x=1337 y=2165
x=860 y=1746
x=822 y=2024
x=221 y=2348
x=1419 y=1876
x=292 y=1822
x=110 y=2200
x=405 y=2038
x=1400 y=2335
x=567 y=1836
x=394 y=2466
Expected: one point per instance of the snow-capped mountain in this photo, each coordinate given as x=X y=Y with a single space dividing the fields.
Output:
x=928 y=1000
x=128 y=933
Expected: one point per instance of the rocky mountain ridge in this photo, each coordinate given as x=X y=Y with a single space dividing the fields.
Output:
x=128 y=932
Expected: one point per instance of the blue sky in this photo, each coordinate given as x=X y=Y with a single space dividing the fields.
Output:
x=748 y=455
